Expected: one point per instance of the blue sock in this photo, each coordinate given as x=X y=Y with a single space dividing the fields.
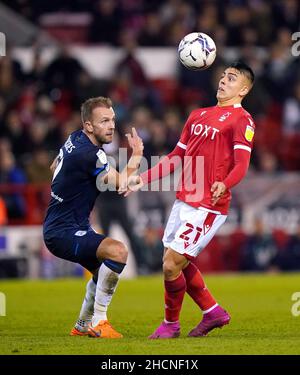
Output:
x=114 y=266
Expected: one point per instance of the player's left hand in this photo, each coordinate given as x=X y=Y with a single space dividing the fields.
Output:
x=135 y=142
x=218 y=189
x=133 y=184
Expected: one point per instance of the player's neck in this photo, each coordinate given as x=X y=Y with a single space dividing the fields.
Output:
x=229 y=102
x=92 y=138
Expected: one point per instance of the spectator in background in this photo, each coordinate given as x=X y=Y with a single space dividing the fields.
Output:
x=62 y=73
x=3 y=212
x=11 y=174
x=286 y=13
x=289 y=257
x=89 y=87
x=173 y=124
x=151 y=34
x=276 y=72
x=106 y=24
x=14 y=131
x=39 y=175
x=261 y=20
x=291 y=112
x=208 y=19
x=152 y=249
x=178 y=19
x=10 y=81
x=141 y=116
x=268 y=163
x=259 y=251
x=131 y=79
x=37 y=168
x=157 y=143
x=237 y=17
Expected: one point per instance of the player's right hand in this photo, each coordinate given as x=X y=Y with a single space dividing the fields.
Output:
x=218 y=189
x=135 y=142
x=133 y=184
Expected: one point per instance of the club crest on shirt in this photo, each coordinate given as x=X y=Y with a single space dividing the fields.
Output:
x=249 y=133
x=102 y=157
x=224 y=117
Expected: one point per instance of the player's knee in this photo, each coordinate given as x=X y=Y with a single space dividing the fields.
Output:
x=119 y=252
x=169 y=268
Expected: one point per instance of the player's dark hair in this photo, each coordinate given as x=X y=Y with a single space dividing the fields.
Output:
x=244 y=69
x=90 y=104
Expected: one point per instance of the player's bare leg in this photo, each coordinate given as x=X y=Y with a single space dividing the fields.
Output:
x=175 y=287
x=113 y=255
x=87 y=308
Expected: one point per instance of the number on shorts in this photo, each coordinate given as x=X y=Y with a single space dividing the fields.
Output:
x=190 y=229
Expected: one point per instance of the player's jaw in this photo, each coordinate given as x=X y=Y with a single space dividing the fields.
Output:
x=105 y=138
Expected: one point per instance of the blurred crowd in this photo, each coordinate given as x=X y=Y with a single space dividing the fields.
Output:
x=164 y=22
x=40 y=108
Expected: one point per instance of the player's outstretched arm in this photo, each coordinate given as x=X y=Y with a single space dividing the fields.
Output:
x=165 y=167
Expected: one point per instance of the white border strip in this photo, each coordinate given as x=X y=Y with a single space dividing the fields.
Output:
x=242 y=147
x=208 y=210
x=181 y=145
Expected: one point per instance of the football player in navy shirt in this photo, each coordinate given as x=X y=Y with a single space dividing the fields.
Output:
x=80 y=168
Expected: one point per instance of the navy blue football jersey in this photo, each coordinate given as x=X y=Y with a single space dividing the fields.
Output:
x=73 y=189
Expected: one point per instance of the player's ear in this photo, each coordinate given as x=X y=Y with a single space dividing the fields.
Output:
x=244 y=90
x=88 y=126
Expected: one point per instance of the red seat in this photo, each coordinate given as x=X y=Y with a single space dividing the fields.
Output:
x=168 y=89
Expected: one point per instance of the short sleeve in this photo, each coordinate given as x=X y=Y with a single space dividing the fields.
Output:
x=243 y=134
x=97 y=163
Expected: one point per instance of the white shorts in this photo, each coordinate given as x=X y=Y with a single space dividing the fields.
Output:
x=190 y=229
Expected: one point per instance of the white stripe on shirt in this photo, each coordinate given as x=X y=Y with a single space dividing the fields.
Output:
x=181 y=145
x=242 y=147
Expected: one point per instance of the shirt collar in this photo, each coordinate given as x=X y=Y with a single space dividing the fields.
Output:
x=237 y=105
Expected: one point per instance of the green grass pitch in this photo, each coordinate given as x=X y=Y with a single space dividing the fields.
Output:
x=40 y=314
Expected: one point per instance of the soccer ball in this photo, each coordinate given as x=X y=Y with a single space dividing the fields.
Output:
x=197 y=51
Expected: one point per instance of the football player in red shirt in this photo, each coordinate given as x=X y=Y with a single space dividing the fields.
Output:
x=214 y=149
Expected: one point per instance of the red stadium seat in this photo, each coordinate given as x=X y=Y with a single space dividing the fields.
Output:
x=168 y=89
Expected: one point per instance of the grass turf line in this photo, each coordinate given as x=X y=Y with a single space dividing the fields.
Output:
x=40 y=314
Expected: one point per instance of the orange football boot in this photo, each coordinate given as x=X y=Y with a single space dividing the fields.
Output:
x=80 y=328
x=77 y=332
x=104 y=330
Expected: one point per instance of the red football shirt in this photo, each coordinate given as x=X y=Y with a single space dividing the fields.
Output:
x=212 y=134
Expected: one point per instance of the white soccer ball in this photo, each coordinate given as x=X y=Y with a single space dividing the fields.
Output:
x=197 y=51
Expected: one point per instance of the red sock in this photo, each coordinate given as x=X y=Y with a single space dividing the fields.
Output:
x=196 y=287
x=174 y=293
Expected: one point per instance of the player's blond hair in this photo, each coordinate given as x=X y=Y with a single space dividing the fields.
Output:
x=90 y=104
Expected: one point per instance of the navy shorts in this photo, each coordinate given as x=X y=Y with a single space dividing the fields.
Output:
x=75 y=245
